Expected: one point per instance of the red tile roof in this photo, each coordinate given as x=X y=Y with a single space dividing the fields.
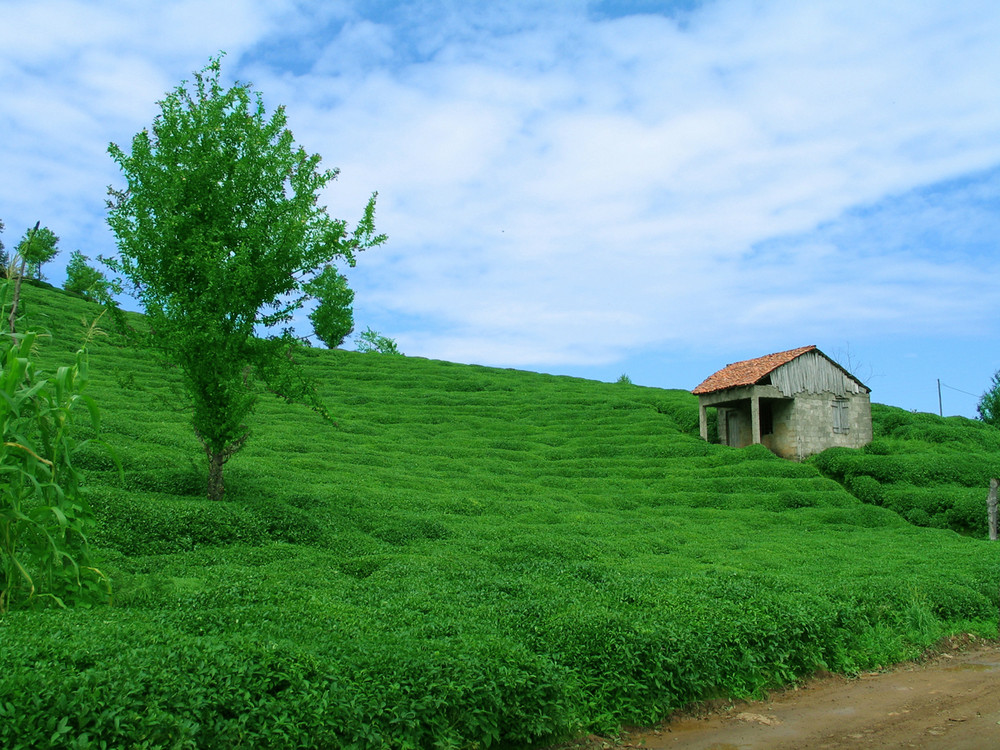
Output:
x=749 y=371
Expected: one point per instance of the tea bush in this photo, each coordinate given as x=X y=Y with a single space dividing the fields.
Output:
x=470 y=557
x=932 y=471
x=168 y=523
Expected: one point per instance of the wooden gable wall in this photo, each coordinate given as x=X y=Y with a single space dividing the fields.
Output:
x=812 y=372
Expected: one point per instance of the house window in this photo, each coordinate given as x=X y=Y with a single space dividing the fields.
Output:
x=841 y=424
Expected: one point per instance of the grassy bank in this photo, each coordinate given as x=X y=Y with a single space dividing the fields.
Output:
x=932 y=471
x=469 y=557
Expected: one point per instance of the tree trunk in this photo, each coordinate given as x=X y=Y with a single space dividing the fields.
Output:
x=12 y=320
x=216 y=460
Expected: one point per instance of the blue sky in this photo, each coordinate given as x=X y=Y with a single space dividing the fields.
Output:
x=585 y=188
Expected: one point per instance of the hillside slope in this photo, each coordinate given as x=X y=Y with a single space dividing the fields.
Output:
x=468 y=557
x=931 y=470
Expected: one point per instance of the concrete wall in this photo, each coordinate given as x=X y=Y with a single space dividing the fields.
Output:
x=782 y=439
x=812 y=426
x=802 y=426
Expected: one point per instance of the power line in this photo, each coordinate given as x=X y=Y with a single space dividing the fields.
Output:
x=959 y=390
x=940 y=400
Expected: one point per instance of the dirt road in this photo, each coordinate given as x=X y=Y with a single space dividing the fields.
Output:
x=949 y=702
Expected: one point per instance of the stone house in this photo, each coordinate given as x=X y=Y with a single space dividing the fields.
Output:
x=796 y=403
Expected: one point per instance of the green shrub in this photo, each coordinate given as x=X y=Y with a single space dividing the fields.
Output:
x=471 y=557
x=166 y=524
x=285 y=523
x=866 y=489
x=930 y=470
x=877 y=448
x=968 y=514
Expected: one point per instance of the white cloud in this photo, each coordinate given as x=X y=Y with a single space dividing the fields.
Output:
x=775 y=122
x=78 y=75
x=561 y=186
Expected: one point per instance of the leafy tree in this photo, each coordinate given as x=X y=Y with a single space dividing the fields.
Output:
x=87 y=280
x=219 y=234
x=373 y=342
x=333 y=318
x=989 y=402
x=36 y=248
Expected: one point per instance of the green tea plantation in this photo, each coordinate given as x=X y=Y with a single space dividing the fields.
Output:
x=472 y=557
x=931 y=471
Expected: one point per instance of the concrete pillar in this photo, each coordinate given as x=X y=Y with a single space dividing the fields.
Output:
x=754 y=418
x=703 y=421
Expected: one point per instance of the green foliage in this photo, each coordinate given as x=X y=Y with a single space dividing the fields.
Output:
x=372 y=342
x=333 y=318
x=989 y=403
x=470 y=556
x=38 y=246
x=87 y=281
x=932 y=471
x=219 y=232
x=44 y=517
x=624 y=379
x=866 y=489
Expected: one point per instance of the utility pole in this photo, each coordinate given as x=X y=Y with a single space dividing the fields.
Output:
x=991 y=508
x=940 y=407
